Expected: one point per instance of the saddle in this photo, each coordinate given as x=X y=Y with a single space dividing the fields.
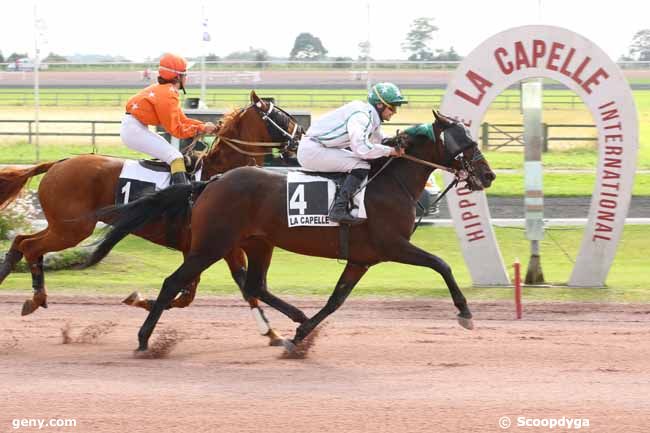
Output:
x=193 y=163
x=336 y=177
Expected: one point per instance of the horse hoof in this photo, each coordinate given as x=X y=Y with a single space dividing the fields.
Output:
x=275 y=339
x=28 y=307
x=141 y=353
x=277 y=342
x=132 y=298
x=289 y=346
x=466 y=323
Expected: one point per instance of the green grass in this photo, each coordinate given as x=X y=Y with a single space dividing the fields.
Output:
x=137 y=264
x=559 y=184
x=24 y=153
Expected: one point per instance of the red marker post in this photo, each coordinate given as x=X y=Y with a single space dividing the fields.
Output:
x=518 y=308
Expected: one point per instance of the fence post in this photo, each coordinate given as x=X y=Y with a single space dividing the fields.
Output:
x=544 y=137
x=92 y=123
x=484 y=135
x=29 y=129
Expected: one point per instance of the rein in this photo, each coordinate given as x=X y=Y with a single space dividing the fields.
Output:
x=430 y=164
x=232 y=143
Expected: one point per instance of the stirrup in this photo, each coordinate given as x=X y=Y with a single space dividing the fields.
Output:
x=346 y=218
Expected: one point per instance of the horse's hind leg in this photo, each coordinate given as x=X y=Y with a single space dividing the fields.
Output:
x=12 y=256
x=349 y=278
x=259 y=258
x=236 y=260
x=35 y=246
x=189 y=271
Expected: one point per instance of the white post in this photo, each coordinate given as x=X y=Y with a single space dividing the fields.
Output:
x=368 y=80
x=531 y=102
x=205 y=37
x=37 y=102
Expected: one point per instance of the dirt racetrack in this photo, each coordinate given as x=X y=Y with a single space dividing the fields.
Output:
x=378 y=366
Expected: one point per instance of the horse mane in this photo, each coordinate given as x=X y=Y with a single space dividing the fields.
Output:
x=229 y=123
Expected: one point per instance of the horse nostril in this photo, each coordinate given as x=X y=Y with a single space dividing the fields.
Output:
x=491 y=176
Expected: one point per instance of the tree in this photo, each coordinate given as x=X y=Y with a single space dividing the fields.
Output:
x=417 y=39
x=447 y=56
x=15 y=56
x=343 y=62
x=307 y=47
x=640 y=46
x=258 y=54
x=2 y=58
x=54 y=58
x=212 y=57
x=364 y=51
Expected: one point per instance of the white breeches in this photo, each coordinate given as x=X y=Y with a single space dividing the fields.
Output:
x=314 y=156
x=137 y=136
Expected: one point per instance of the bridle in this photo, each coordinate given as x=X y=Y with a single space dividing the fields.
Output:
x=279 y=131
x=274 y=128
x=455 y=152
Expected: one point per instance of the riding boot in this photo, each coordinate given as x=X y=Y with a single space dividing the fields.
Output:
x=179 y=178
x=340 y=212
x=179 y=175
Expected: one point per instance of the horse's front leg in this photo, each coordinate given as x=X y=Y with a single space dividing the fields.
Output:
x=349 y=278
x=407 y=253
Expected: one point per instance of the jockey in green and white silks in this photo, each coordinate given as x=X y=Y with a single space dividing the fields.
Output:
x=345 y=139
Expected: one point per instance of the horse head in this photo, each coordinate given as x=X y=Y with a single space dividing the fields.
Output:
x=461 y=152
x=243 y=133
x=281 y=126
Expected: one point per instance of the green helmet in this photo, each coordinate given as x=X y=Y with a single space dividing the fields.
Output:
x=386 y=93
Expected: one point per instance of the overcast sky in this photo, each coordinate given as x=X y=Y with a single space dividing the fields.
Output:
x=138 y=30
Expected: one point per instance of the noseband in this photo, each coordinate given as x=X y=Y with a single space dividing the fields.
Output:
x=293 y=137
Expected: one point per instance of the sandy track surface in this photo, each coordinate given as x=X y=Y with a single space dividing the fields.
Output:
x=377 y=366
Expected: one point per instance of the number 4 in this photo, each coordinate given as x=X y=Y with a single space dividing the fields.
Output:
x=297 y=200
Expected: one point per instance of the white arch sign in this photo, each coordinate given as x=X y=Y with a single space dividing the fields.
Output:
x=558 y=54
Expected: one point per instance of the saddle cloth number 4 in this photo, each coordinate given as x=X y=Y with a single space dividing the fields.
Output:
x=308 y=198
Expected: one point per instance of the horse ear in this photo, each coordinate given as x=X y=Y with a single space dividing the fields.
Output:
x=254 y=98
x=441 y=118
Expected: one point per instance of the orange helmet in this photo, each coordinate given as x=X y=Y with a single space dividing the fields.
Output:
x=172 y=66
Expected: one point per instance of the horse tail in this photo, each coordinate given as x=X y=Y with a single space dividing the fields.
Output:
x=172 y=203
x=13 y=180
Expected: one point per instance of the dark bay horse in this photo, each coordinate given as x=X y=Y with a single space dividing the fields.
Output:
x=79 y=186
x=247 y=209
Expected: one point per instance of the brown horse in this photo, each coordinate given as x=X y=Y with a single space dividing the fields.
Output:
x=79 y=186
x=247 y=208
